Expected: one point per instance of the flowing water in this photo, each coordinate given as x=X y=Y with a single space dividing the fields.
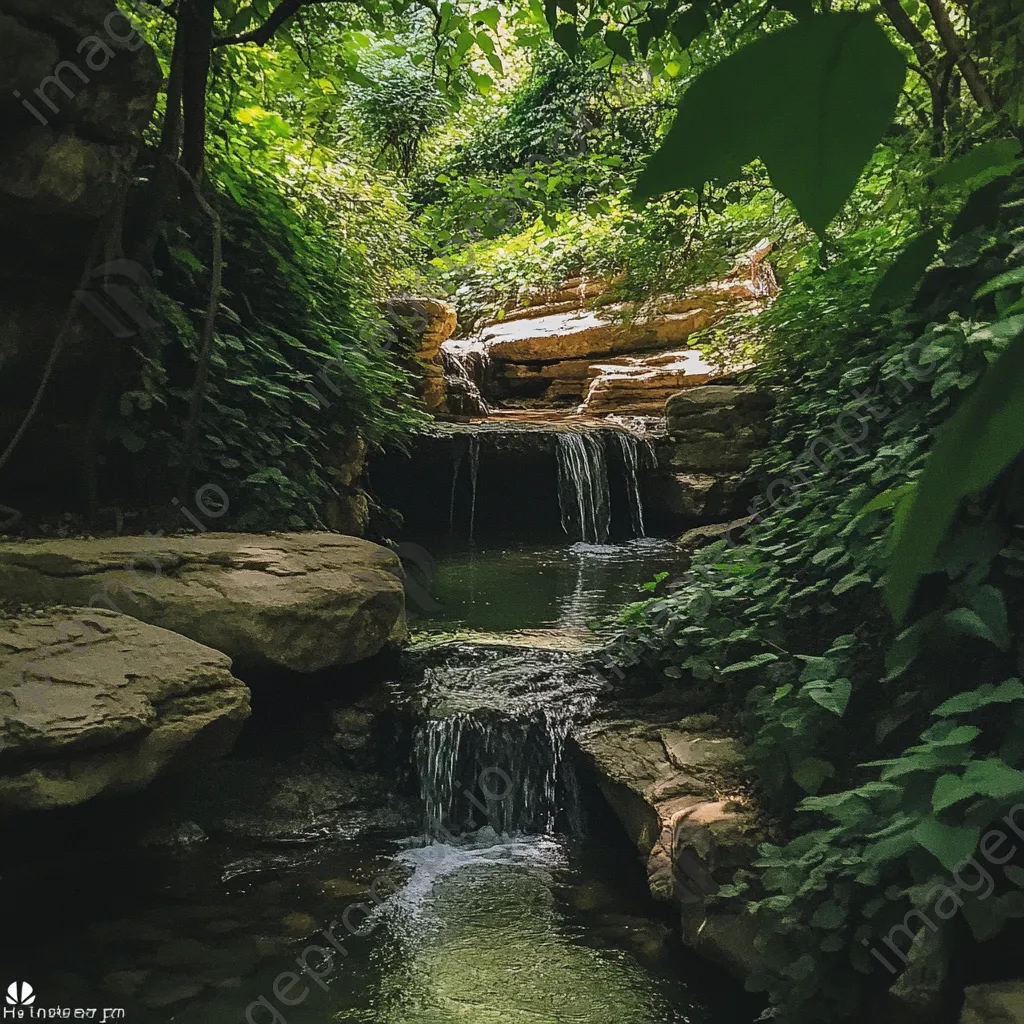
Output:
x=583 y=491
x=465 y=364
x=430 y=855
x=637 y=455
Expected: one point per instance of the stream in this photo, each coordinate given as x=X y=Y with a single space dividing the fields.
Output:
x=426 y=855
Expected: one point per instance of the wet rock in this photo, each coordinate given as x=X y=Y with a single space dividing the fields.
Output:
x=92 y=702
x=299 y=924
x=994 y=1004
x=302 y=601
x=701 y=536
x=295 y=803
x=664 y=785
x=337 y=888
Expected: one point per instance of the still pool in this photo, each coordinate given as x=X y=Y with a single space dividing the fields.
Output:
x=543 y=588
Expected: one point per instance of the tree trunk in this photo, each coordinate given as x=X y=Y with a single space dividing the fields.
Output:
x=196 y=20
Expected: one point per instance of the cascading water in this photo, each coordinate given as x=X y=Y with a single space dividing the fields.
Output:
x=474 y=473
x=464 y=448
x=583 y=492
x=637 y=455
x=492 y=747
x=465 y=364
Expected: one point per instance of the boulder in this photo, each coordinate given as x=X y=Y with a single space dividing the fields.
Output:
x=717 y=427
x=665 y=784
x=685 y=498
x=579 y=335
x=302 y=601
x=93 y=702
x=994 y=1004
x=702 y=536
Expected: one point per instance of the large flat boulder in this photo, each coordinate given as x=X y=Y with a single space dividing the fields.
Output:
x=577 y=335
x=93 y=702
x=300 y=601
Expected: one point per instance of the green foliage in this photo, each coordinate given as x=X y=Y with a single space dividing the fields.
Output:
x=819 y=117
x=789 y=629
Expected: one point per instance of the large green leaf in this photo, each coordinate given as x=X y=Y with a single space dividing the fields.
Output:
x=825 y=91
x=899 y=282
x=978 y=443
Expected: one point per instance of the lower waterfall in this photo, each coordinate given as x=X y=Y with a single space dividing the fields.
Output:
x=491 y=748
x=583 y=491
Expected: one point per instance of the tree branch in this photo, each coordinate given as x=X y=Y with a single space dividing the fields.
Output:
x=955 y=47
x=262 y=34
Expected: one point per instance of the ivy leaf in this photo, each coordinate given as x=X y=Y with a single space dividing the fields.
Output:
x=1004 y=693
x=593 y=28
x=950 y=789
x=618 y=44
x=829 y=915
x=899 y=282
x=810 y=773
x=993 y=777
x=798 y=8
x=995 y=156
x=567 y=37
x=832 y=696
x=827 y=90
x=984 y=435
x=688 y=26
x=949 y=844
x=1004 y=280
x=754 y=662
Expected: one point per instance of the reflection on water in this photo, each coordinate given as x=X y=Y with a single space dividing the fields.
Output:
x=486 y=937
x=526 y=929
x=544 y=587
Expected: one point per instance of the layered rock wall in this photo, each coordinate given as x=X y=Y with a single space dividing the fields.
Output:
x=703 y=472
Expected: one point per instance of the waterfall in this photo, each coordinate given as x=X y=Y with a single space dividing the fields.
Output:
x=463 y=448
x=457 y=453
x=474 y=472
x=465 y=365
x=491 y=743
x=484 y=769
x=583 y=493
x=637 y=454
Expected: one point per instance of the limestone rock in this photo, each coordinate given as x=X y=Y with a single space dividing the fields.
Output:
x=302 y=601
x=347 y=510
x=423 y=325
x=718 y=427
x=665 y=785
x=699 y=497
x=994 y=1004
x=92 y=702
x=641 y=386
x=701 y=536
x=587 y=334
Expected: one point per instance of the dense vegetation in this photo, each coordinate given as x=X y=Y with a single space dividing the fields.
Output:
x=311 y=158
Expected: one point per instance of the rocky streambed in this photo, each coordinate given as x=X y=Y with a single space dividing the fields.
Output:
x=457 y=832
